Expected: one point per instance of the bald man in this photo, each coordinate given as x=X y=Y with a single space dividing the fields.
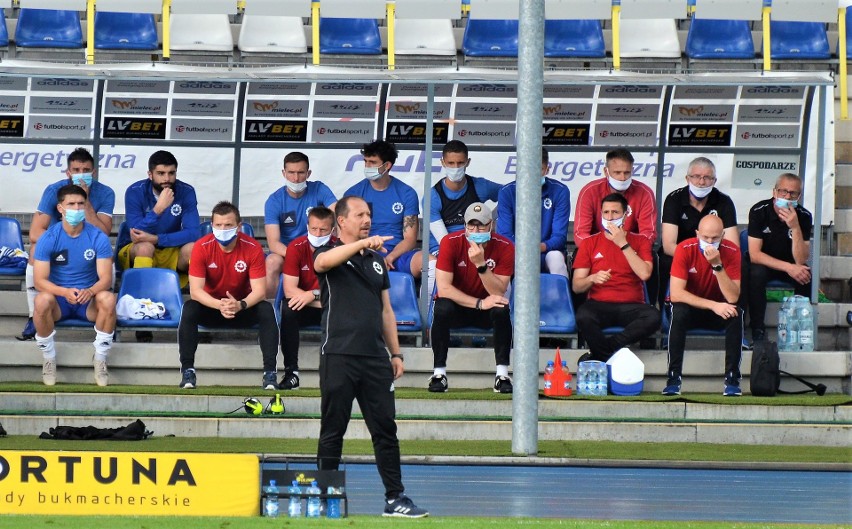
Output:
x=705 y=286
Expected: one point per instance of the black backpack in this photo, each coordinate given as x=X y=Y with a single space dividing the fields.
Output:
x=765 y=378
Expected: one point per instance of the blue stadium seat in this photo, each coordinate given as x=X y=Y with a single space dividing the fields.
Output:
x=616 y=329
x=4 y=32
x=350 y=36
x=123 y=234
x=48 y=28
x=125 y=31
x=157 y=284
x=799 y=40
x=556 y=313
x=10 y=237
x=667 y=323
x=245 y=227
x=774 y=284
x=719 y=39
x=490 y=38
x=403 y=298
x=573 y=38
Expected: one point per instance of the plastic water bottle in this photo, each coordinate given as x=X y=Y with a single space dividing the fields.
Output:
x=334 y=503
x=548 y=375
x=793 y=327
x=314 y=503
x=582 y=378
x=783 y=325
x=806 y=328
x=294 y=507
x=601 y=379
x=592 y=384
x=270 y=503
x=566 y=385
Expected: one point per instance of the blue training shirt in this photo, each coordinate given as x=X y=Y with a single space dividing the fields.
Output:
x=101 y=197
x=73 y=260
x=555 y=212
x=485 y=189
x=291 y=214
x=176 y=226
x=388 y=207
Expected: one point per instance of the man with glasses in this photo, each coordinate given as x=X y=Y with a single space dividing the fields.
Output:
x=685 y=207
x=779 y=233
x=473 y=273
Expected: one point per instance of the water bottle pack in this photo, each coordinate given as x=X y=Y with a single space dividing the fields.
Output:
x=796 y=325
x=270 y=502
x=592 y=378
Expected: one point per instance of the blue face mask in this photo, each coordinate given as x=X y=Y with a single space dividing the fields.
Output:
x=75 y=216
x=85 y=178
x=703 y=245
x=225 y=237
x=782 y=203
x=479 y=237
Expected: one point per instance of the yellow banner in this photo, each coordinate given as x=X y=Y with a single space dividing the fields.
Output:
x=135 y=483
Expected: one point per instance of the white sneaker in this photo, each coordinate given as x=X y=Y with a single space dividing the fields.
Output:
x=101 y=373
x=48 y=372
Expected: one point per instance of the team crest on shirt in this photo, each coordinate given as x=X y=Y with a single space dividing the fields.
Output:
x=547 y=203
x=308 y=210
x=240 y=266
x=377 y=267
x=490 y=264
x=397 y=208
x=713 y=212
x=629 y=211
x=176 y=210
x=89 y=254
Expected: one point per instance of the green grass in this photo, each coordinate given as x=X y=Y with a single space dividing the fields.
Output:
x=365 y=522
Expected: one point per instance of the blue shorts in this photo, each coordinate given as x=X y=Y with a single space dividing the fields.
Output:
x=69 y=311
x=403 y=262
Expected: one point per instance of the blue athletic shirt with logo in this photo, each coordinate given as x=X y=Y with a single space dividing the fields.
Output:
x=291 y=214
x=485 y=189
x=101 y=197
x=73 y=260
x=388 y=207
x=177 y=225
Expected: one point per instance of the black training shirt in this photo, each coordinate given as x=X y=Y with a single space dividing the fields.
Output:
x=351 y=297
x=677 y=210
x=763 y=223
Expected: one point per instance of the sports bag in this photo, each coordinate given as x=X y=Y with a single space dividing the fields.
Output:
x=765 y=377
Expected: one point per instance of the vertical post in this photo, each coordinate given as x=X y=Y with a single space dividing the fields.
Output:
x=616 y=37
x=315 y=23
x=90 y=32
x=528 y=233
x=841 y=55
x=392 y=36
x=767 y=40
x=425 y=293
x=167 y=30
x=816 y=245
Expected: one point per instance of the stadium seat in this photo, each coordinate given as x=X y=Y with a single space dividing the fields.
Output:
x=245 y=227
x=403 y=298
x=10 y=237
x=425 y=27
x=157 y=284
x=799 y=41
x=573 y=38
x=719 y=39
x=667 y=324
x=490 y=38
x=201 y=32
x=272 y=34
x=774 y=284
x=4 y=32
x=649 y=38
x=350 y=36
x=48 y=28
x=616 y=329
x=125 y=31
x=556 y=314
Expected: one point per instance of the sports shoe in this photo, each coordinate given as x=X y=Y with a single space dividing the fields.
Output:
x=28 y=333
x=270 y=379
x=290 y=380
x=672 y=386
x=144 y=336
x=758 y=335
x=732 y=389
x=187 y=381
x=403 y=507
x=48 y=372
x=438 y=384
x=502 y=384
x=101 y=373
x=747 y=346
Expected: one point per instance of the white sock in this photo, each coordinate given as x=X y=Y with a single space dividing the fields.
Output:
x=29 y=281
x=440 y=371
x=502 y=371
x=47 y=345
x=555 y=262
x=102 y=343
x=430 y=278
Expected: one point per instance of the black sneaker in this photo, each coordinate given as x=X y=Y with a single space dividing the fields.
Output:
x=438 y=384
x=290 y=380
x=144 y=336
x=672 y=385
x=403 y=507
x=28 y=333
x=270 y=379
x=502 y=384
x=758 y=335
x=187 y=381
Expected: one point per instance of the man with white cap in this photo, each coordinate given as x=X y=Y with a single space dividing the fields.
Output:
x=473 y=273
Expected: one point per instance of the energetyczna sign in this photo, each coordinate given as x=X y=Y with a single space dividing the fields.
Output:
x=127 y=483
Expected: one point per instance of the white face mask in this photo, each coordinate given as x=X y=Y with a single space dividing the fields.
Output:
x=373 y=173
x=605 y=223
x=296 y=187
x=225 y=237
x=703 y=245
x=454 y=174
x=619 y=185
x=699 y=192
x=318 y=240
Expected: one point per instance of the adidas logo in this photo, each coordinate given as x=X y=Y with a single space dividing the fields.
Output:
x=212 y=265
x=60 y=258
x=684 y=217
x=598 y=255
x=693 y=270
x=462 y=264
x=767 y=230
x=305 y=267
x=289 y=220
